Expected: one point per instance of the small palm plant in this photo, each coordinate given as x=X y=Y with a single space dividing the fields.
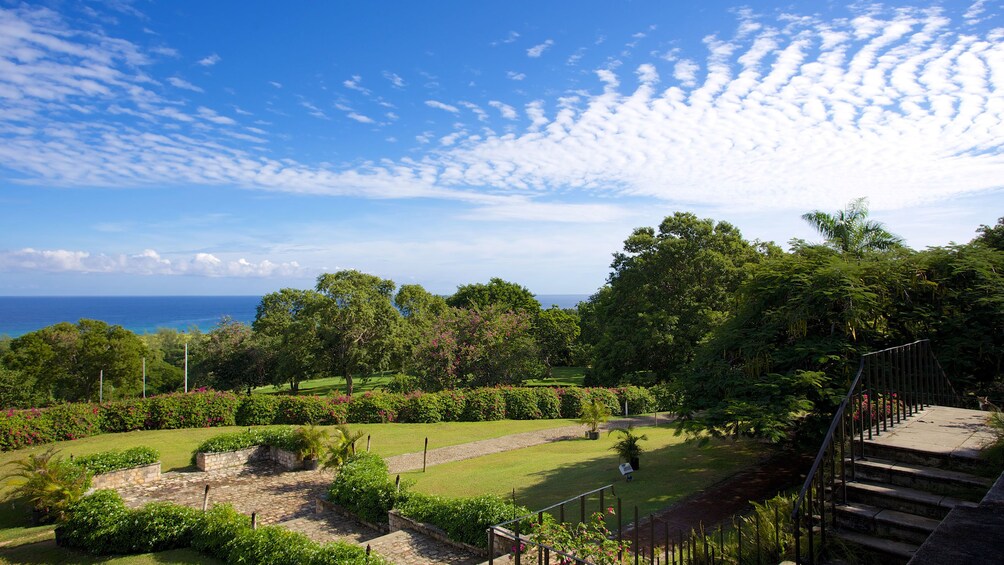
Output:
x=594 y=412
x=310 y=441
x=50 y=484
x=994 y=451
x=341 y=447
x=628 y=447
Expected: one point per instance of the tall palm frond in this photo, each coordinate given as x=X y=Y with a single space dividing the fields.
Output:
x=849 y=230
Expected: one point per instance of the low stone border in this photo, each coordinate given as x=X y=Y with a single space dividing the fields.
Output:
x=399 y=522
x=323 y=504
x=127 y=477
x=216 y=461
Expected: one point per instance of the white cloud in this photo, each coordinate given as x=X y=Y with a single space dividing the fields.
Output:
x=513 y=36
x=395 y=80
x=313 y=110
x=184 y=84
x=513 y=75
x=538 y=50
x=441 y=106
x=275 y=84
x=355 y=83
x=210 y=60
x=146 y=262
x=507 y=111
x=360 y=118
x=481 y=114
x=685 y=71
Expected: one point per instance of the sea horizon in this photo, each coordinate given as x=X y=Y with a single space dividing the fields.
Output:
x=142 y=314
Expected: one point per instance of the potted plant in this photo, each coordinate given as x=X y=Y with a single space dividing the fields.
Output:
x=310 y=442
x=628 y=447
x=594 y=412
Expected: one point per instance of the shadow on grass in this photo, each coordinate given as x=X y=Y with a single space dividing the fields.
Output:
x=667 y=475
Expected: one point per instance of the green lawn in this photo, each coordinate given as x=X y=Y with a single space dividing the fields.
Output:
x=546 y=474
x=387 y=439
x=560 y=376
x=49 y=552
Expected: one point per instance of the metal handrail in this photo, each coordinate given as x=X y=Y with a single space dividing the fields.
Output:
x=910 y=378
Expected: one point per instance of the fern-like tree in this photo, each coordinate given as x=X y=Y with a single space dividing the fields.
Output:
x=850 y=230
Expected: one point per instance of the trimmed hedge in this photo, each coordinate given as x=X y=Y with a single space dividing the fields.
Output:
x=363 y=487
x=24 y=428
x=108 y=461
x=463 y=519
x=101 y=524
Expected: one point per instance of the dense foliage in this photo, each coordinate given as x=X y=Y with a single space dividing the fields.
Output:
x=101 y=524
x=463 y=519
x=108 y=461
x=363 y=487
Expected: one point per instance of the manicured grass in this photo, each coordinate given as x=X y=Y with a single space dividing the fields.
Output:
x=176 y=446
x=545 y=474
x=561 y=376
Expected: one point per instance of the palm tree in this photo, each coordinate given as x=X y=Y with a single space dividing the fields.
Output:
x=850 y=232
x=343 y=445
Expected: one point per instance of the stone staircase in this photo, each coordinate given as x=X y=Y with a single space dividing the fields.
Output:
x=899 y=495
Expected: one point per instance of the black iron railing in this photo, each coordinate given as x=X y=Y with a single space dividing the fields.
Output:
x=890 y=386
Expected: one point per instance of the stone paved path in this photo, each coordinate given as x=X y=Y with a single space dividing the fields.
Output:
x=405 y=547
x=326 y=526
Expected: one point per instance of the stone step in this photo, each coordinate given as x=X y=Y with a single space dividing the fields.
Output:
x=882 y=522
x=892 y=552
x=964 y=460
x=955 y=483
x=903 y=499
x=327 y=526
x=405 y=547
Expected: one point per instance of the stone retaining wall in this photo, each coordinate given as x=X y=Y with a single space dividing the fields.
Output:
x=127 y=477
x=399 y=522
x=215 y=461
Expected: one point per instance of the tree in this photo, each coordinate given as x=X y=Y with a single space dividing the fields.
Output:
x=992 y=237
x=165 y=362
x=557 y=332
x=849 y=230
x=65 y=360
x=471 y=348
x=419 y=309
x=286 y=323
x=667 y=292
x=233 y=358
x=506 y=295
x=357 y=324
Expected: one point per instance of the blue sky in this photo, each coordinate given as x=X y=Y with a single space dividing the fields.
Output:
x=242 y=147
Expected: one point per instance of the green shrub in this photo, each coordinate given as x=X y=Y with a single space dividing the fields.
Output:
x=548 y=402
x=257 y=410
x=200 y=409
x=403 y=384
x=108 y=461
x=421 y=408
x=608 y=397
x=375 y=407
x=452 y=405
x=363 y=488
x=272 y=545
x=73 y=421
x=160 y=526
x=520 y=404
x=301 y=410
x=484 y=405
x=463 y=519
x=24 y=428
x=219 y=531
x=283 y=438
x=124 y=415
x=96 y=524
x=668 y=397
x=572 y=400
x=639 y=400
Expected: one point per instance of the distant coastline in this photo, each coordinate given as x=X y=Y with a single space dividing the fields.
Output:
x=144 y=314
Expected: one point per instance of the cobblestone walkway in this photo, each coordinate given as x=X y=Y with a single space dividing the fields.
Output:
x=275 y=496
x=326 y=526
x=405 y=547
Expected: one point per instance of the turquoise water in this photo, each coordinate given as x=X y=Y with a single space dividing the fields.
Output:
x=141 y=314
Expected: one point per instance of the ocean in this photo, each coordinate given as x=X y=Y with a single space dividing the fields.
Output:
x=144 y=314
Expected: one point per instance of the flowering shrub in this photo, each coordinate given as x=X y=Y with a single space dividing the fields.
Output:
x=572 y=400
x=590 y=540
x=452 y=404
x=124 y=415
x=192 y=410
x=421 y=408
x=639 y=400
x=521 y=404
x=484 y=405
x=877 y=407
x=608 y=397
x=548 y=403
x=256 y=410
x=300 y=410
x=73 y=421
x=24 y=428
x=375 y=407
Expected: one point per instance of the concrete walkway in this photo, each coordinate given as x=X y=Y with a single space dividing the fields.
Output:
x=940 y=430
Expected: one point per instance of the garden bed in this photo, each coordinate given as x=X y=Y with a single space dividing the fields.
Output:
x=142 y=475
x=226 y=459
